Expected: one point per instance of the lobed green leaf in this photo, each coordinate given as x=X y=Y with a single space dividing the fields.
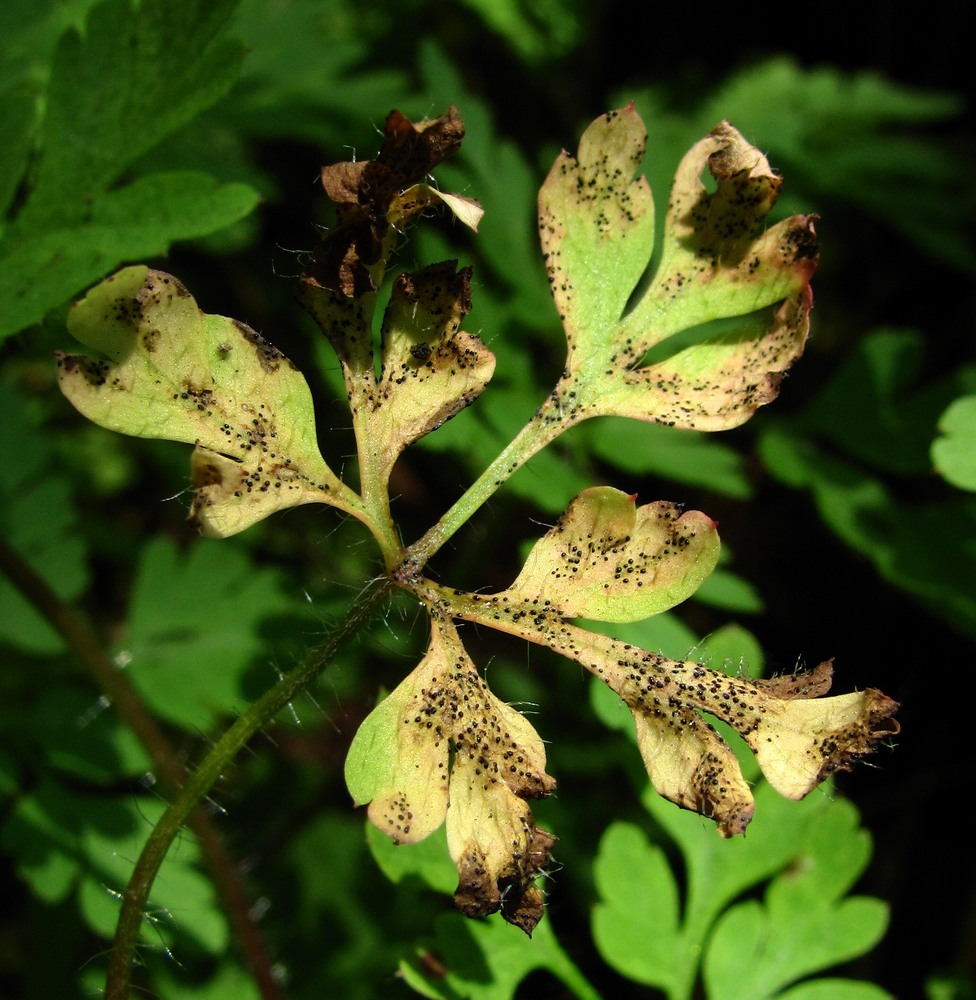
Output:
x=954 y=451
x=132 y=77
x=194 y=630
x=808 y=854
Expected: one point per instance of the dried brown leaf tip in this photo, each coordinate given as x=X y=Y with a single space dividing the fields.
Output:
x=799 y=737
x=442 y=747
x=374 y=198
x=409 y=152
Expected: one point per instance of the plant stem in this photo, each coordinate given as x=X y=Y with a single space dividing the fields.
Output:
x=136 y=895
x=80 y=638
x=544 y=427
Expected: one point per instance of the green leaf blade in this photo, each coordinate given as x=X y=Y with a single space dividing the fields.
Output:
x=954 y=451
x=160 y=63
x=143 y=219
x=129 y=79
x=597 y=227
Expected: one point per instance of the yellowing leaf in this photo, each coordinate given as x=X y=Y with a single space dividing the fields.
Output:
x=597 y=227
x=692 y=766
x=171 y=371
x=431 y=369
x=441 y=744
x=398 y=760
x=799 y=737
x=410 y=203
x=610 y=560
x=596 y=222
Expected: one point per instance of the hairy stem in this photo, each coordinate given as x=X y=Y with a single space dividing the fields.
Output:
x=544 y=427
x=135 y=898
x=82 y=640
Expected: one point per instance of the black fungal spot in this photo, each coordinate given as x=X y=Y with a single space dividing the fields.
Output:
x=269 y=357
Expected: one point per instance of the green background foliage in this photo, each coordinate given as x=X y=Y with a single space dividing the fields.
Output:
x=195 y=130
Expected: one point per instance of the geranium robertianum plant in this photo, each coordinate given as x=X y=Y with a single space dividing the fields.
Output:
x=441 y=748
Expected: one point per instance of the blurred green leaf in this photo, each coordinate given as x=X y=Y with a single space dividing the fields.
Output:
x=17 y=121
x=484 y=960
x=113 y=94
x=733 y=650
x=427 y=860
x=954 y=451
x=926 y=548
x=38 y=520
x=63 y=842
x=83 y=738
x=809 y=852
x=309 y=74
x=194 y=629
x=854 y=137
x=874 y=408
x=228 y=982
x=683 y=456
x=730 y=592
x=535 y=29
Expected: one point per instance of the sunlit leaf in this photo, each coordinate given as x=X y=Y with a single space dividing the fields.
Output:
x=158 y=63
x=177 y=373
x=799 y=738
x=596 y=221
x=954 y=451
x=610 y=560
x=441 y=745
x=430 y=368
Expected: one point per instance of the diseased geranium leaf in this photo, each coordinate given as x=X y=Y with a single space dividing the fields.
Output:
x=597 y=230
x=171 y=371
x=442 y=746
x=375 y=199
x=596 y=222
x=609 y=560
x=430 y=368
x=798 y=737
